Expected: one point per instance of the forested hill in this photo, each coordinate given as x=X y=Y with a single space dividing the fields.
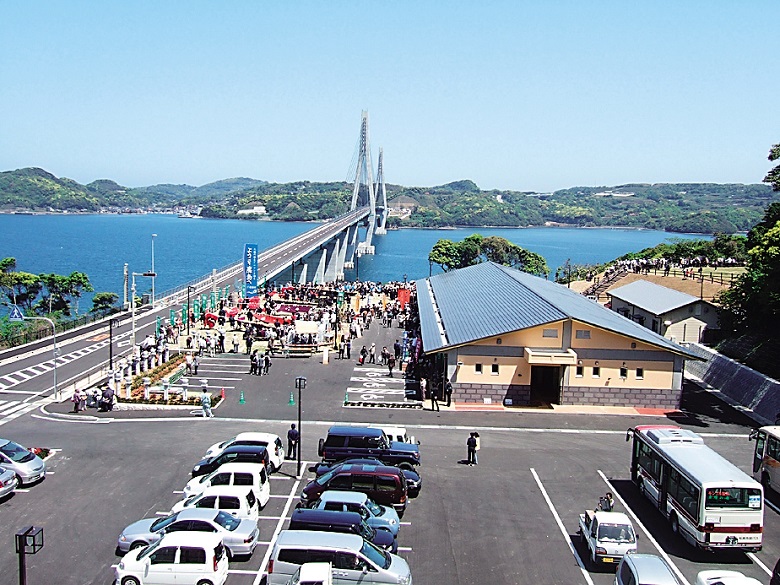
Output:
x=680 y=207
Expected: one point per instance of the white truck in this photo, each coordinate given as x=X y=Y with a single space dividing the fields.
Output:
x=607 y=535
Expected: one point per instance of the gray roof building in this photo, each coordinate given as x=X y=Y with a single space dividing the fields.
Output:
x=651 y=297
x=487 y=299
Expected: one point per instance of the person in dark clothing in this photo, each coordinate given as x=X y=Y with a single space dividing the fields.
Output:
x=106 y=402
x=434 y=398
x=348 y=347
x=397 y=350
x=471 y=446
x=448 y=392
x=293 y=436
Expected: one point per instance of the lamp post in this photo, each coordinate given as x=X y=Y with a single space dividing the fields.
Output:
x=404 y=280
x=300 y=384
x=29 y=541
x=153 y=273
x=357 y=266
x=132 y=299
x=111 y=324
x=189 y=288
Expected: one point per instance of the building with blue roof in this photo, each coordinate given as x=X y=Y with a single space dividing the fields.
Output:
x=500 y=335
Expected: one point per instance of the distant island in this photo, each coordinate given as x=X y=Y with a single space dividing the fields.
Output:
x=705 y=208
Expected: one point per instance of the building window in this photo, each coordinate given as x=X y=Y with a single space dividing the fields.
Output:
x=624 y=372
x=494 y=369
x=550 y=333
x=579 y=372
x=582 y=334
x=477 y=368
x=596 y=371
x=640 y=373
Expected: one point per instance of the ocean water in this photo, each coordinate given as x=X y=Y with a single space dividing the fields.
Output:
x=185 y=249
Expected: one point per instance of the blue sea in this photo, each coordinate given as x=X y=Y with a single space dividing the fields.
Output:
x=185 y=249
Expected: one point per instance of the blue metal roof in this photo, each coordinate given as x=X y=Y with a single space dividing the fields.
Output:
x=487 y=299
x=651 y=297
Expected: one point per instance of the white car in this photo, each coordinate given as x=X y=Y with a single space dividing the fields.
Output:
x=237 y=474
x=721 y=577
x=237 y=500
x=313 y=574
x=273 y=443
x=189 y=558
x=397 y=434
x=8 y=482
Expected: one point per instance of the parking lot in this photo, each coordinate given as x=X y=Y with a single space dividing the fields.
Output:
x=511 y=519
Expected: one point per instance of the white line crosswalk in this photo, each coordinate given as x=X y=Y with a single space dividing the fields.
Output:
x=12 y=409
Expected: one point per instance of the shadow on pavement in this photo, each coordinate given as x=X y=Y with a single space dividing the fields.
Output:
x=701 y=408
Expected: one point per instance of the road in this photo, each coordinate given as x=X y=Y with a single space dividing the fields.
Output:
x=511 y=519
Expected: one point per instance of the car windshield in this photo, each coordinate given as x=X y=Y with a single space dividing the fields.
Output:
x=149 y=550
x=376 y=555
x=188 y=501
x=325 y=477
x=16 y=452
x=616 y=532
x=227 y=521
x=375 y=509
x=161 y=523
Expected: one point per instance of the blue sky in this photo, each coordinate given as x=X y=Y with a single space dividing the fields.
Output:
x=514 y=95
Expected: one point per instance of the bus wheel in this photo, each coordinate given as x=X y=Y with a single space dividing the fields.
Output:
x=675 y=524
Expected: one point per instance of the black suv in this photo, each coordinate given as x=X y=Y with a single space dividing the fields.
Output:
x=349 y=442
x=233 y=454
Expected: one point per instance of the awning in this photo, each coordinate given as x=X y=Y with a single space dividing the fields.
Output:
x=551 y=357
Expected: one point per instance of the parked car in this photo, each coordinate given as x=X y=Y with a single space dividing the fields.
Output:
x=413 y=479
x=643 y=569
x=239 y=536
x=246 y=474
x=270 y=441
x=313 y=574
x=721 y=577
x=377 y=516
x=338 y=521
x=8 y=482
x=234 y=454
x=353 y=559
x=237 y=500
x=189 y=559
x=398 y=434
x=345 y=442
x=382 y=483
x=27 y=466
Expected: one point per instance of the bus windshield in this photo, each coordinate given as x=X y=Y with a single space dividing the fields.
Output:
x=729 y=497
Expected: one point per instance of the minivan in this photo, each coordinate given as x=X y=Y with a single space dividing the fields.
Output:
x=189 y=558
x=236 y=500
x=248 y=474
x=27 y=466
x=379 y=517
x=337 y=521
x=354 y=560
x=382 y=483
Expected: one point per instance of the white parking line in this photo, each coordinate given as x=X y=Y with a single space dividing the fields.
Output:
x=756 y=560
x=178 y=492
x=561 y=527
x=654 y=542
x=278 y=529
x=404 y=549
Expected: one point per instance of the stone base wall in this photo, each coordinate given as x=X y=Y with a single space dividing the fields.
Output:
x=634 y=397
x=476 y=393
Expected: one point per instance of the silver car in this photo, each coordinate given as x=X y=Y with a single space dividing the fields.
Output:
x=239 y=535
x=643 y=569
x=8 y=482
x=27 y=466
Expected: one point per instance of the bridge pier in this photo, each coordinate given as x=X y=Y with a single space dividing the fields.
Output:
x=319 y=274
x=333 y=266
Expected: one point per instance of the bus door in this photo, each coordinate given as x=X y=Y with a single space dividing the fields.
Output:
x=758 y=452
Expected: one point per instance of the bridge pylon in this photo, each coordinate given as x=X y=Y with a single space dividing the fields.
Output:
x=363 y=193
x=380 y=193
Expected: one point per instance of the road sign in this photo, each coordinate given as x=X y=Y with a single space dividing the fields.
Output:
x=16 y=315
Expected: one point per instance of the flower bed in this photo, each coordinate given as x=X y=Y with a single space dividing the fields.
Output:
x=173 y=400
x=41 y=452
x=173 y=366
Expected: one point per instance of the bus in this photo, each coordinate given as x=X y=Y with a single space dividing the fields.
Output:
x=766 y=456
x=708 y=501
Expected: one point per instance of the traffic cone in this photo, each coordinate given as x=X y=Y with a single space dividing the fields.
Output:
x=241 y=398
x=222 y=394
x=346 y=397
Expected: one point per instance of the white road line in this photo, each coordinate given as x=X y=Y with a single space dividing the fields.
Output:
x=756 y=560
x=562 y=528
x=161 y=513
x=771 y=505
x=654 y=542
x=404 y=549
x=10 y=408
x=278 y=529
x=241 y=572
x=22 y=490
x=405 y=523
x=178 y=492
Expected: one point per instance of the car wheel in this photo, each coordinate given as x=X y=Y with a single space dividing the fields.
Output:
x=131 y=581
x=205 y=582
x=138 y=544
x=19 y=482
x=230 y=554
x=675 y=524
x=406 y=466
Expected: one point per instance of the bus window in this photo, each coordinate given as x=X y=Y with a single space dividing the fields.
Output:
x=733 y=498
x=772 y=447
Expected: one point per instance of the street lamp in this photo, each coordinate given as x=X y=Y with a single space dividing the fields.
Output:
x=29 y=541
x=189 y=288
x=404 y=280
x=300 y=384
x=357 y=266
x=132 y=299
x=111 y=324
x=17 y=316
x=153 y=273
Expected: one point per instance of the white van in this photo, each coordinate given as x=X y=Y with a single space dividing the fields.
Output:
x=238 y=500
x=243 y=474
x=353 y=559
x=312 y=574
x=397 y=434
x=188 y=558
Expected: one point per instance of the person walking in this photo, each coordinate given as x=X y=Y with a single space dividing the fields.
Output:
x=195 y=364
x=471 y=447
x=372 y=354
x=235 y=343
x=435 y=398
x=348 y=348
x=253 y=363
x=266 y=362
x=76 y=399
x=476 y=448
x=448 y=392
x=293 y=436
x=205 y=403
x=390 y=364
x=363 y=355
x=397 y=350
x=342 y=348
x=188 y=361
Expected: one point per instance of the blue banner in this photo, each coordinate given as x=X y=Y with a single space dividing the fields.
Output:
x=250 y=269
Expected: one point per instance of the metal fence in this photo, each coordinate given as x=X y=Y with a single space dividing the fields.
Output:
x=39 y=331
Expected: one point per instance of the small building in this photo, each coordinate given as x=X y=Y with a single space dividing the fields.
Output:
x=256 y=210
x=675 y=315
x=500 y=335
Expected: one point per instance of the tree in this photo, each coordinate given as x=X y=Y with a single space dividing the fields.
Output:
x=446 y=254
x=103 y=301
x=474 y=249
x=773 y=176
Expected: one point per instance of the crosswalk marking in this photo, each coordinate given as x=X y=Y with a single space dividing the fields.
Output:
x=12 y=409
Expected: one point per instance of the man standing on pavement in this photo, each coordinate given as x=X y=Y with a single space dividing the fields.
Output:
x=348 y=347
x=397 y=350
x=293 y=436
x=205 y=402
x=372 y=354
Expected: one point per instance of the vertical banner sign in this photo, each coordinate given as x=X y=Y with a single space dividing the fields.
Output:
x=157 y=327
x=196 y=309
x=250 y=269
x=213 y=302
x=172 y=319
x=184 y=310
